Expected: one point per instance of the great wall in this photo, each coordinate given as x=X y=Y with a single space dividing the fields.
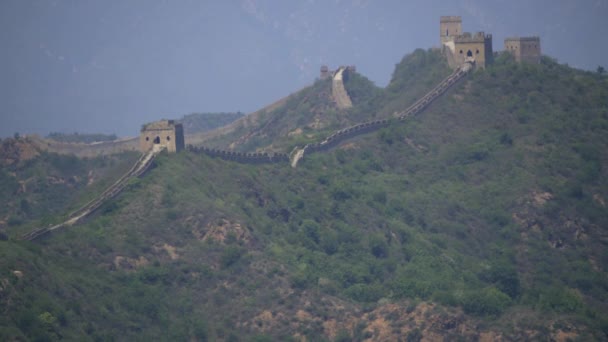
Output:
x=338 y=90
x=146 y=159
x=138 y=169
x=151 y=142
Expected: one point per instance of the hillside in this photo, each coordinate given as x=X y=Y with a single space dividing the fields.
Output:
x=482 y=218
x=202 y=122
x=35 y=185
x=311 y=114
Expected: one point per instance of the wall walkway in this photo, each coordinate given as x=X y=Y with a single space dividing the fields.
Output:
x=138 y=169
x=146 y=159
x=339 y=92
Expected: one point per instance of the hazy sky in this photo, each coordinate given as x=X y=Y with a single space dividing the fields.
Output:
x=108 y=66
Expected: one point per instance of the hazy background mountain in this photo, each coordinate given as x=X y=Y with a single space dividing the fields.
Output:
x=109 y=66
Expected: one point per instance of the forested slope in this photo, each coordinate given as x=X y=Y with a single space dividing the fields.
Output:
x=483 y=217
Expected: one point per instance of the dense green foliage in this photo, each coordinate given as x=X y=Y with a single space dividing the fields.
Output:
x=37 y=190
x=492 y=201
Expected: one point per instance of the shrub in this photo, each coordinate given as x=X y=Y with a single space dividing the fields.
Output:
x=230 y=255
x=365 y=292
x=488 y=302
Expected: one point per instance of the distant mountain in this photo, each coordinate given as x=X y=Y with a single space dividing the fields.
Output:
x=483 y=218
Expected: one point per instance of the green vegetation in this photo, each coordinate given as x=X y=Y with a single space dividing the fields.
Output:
x=311 y=115
x=36 y=191
x=491 y=203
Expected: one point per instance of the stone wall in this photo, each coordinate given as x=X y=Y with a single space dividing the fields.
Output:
x=338 y=90
x=86 y=150
x=246 y=158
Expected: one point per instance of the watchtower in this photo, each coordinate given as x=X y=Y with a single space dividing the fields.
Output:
x=524 y=49
x=459 y=46
x=477 y=46
x=449 y=27
x=165 y=133
x=325 y=73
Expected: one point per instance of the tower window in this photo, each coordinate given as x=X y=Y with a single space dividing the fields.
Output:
x=168 y=138
x=147 y=138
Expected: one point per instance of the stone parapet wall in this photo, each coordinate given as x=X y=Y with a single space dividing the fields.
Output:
x=241 y=157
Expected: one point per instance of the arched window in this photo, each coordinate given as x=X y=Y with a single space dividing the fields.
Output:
x=477 y=52
x=168 y=138
x=461 y=52
x=147 y=138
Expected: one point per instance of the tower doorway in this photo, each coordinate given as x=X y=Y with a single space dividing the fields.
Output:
x=469 y=53
x=157 y=140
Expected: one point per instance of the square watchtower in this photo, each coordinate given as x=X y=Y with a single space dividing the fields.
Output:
x=524 y=49
x=449 y=27
x=165 y=133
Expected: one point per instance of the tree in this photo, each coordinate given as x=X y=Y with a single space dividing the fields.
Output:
x=600 y=70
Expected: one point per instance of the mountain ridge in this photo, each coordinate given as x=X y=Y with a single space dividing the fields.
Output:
x=482 y=218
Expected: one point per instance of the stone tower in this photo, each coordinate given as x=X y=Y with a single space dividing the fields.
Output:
x=524 y=49
x=461 y=46
x=477 y=46
x=165 y=133
x=449 y=27
x=325 y=73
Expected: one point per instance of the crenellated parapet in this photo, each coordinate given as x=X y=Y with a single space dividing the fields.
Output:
x=241 y=157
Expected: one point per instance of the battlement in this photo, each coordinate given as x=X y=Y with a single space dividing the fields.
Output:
x=467 y=37
x=450 y=18
x=523 y=39
x=159 y=125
